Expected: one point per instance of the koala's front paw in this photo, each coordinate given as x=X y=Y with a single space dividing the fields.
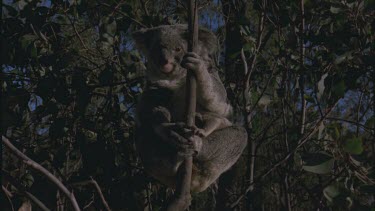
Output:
x=194 y=135
x=186 y=139
x=194 y=150
x=194 y=62
x=175 y=134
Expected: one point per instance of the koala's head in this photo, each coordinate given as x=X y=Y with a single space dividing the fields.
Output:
x=164 y=48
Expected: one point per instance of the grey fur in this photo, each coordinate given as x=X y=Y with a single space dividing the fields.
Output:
x=163 y=140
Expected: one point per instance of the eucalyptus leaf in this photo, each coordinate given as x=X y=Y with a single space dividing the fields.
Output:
x=353 y=146
x=330 y=192
x=318 y=163
x=335 y=10
x=321 y=86
x=338 y=89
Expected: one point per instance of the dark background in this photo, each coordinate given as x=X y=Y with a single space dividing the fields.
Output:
x=70 y=79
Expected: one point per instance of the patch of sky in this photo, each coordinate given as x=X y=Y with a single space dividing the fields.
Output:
x=348 y=106
x=131 y=109
x=7 y=68
x=121 y=97
x=126 y=42
x=34 y=102
x=45 y=3
x=135 y=88
x=41 y=130
x=211 y=19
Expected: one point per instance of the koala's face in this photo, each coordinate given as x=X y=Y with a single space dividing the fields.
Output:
x=164 y=48
x=166 y=52
x=164 y=57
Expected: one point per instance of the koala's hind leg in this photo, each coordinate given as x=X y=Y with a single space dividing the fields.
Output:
x=220 y=150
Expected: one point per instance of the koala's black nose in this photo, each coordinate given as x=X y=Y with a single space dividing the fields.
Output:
x=163 y=61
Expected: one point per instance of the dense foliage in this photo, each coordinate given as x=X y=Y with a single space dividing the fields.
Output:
x=300 y=75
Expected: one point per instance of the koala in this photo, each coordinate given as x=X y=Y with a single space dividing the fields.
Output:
x=163 y=139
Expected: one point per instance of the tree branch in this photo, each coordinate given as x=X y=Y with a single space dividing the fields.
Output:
x=98 y=189
x=182 y=196
x=302 y=58
x=42 y=170
x=301 y=142
x=21 y=191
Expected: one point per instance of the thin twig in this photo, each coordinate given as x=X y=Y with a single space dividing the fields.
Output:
x=258 y=44
x=144 y=7
x=301 y=142
x=42 y=170
x=302 y=58
x=36 y=201
x=351 y=122
x=98 y=189
x=246 y=97
x=76 y=31
x=124 y=14
x=21 y=190
x=8 y=195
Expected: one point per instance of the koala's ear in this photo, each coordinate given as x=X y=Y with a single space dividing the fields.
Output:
x=143 y=39
x=208 y=40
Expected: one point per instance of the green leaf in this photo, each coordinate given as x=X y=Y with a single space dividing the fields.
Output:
x=27 y=40
x=248 y=47
x=318 y=163
x=344 y=57
x=370 y=122
x=353 y=146
x=338 y=89
x=330 y=192
x=27 y=180
x=309 y=99
x=21 y=4
x=33 y=52
x=335 y=132
x=321 y=86
x=11 y=10
x=234 y=55
x=334 y=10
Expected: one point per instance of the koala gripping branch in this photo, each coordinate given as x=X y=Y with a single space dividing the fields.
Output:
x=182 y=198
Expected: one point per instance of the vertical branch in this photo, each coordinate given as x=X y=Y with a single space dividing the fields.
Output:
x=182 y=197
x=190 y=79
x=248 y=72
x=286 y=178
x=251 y=148
x=247 y=101
x=258 y=45
x=302 y=58
x=97 y=188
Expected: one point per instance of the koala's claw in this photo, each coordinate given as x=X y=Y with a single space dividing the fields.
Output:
x=194 y=62
x=187 y=139
x=180 y=141
x=200 y=132
x=195 y=148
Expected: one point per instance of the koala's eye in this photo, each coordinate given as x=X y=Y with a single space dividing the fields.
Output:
x=178 y=49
